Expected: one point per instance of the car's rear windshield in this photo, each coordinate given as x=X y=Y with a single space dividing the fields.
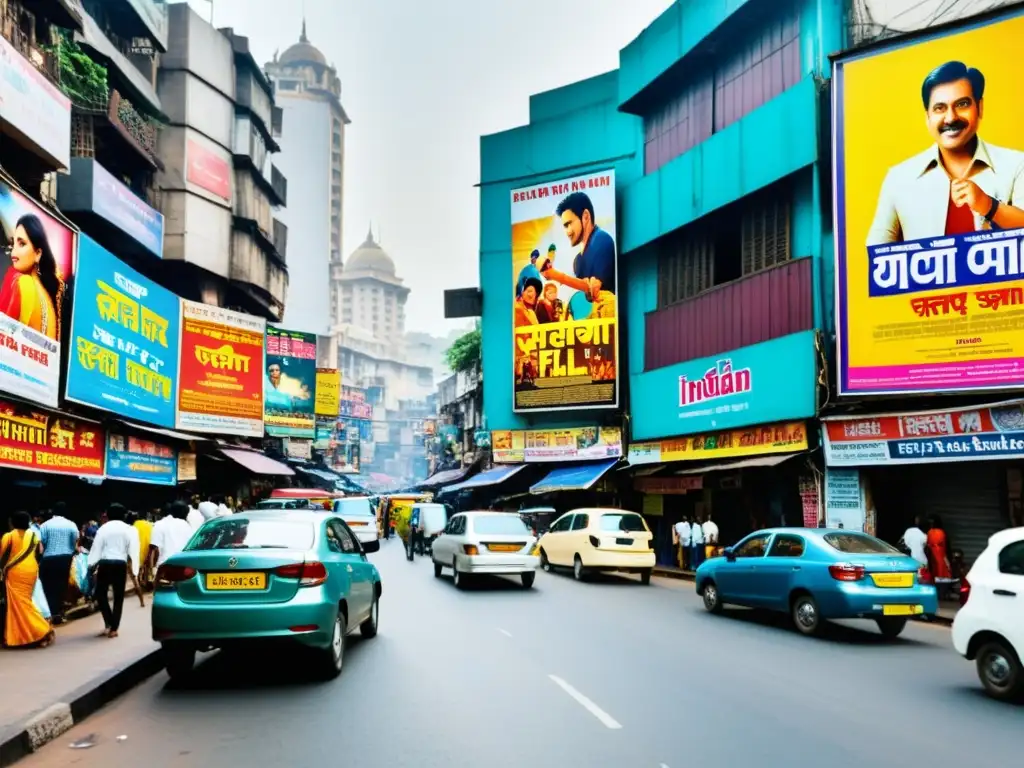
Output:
x=628 y=523
x=246 y=533
x=358 y=506
x=859 y=544
x=499 y=525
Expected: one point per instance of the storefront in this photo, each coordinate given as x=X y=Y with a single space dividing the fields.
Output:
x=962 y=465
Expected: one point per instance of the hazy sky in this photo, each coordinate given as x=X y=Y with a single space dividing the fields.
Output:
x=422 y=81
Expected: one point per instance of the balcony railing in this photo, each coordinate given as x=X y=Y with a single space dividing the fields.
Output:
x=280 y=184
x=764 y=306
x=281 y=240
x=14 y=31
x=142 y=130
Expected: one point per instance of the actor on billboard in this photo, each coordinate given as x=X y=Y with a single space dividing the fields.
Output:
x=33 y=290
x=960 y=185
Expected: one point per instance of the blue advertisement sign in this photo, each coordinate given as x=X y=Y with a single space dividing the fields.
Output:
x=114 y=202
x=141 y=461
x=760 y=384
x=124 y=339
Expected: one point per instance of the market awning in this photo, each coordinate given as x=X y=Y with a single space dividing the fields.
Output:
x=446 y=477
x=757 y=461
x=578 y=477
x=490 y=477
x=167 y=432
x=257 y=463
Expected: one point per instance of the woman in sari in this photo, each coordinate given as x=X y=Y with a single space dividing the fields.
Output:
x=19 y=550
x=33 y=290
x=938 y=557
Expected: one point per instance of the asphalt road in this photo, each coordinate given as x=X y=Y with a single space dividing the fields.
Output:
x=609 y=674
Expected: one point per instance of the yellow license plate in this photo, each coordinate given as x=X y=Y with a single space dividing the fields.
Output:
x=236 y=581
x=893 y=579
x=504 y=547
x=902 y=610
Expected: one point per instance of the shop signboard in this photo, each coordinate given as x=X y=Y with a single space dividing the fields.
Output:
x=986 y=433
x=563 y=295
x=208 y=168
x=141 y=461
x=186 y=466
x=220 y=375
x=298 y=449
x=734 y=389
x=810 y=501
x=113 y=201
x=669 y=486
x=844 y=499
x=540 y=445
x=790 y=437
x=930 y=280
x=124 y=339
x=328 y=391
x=290 y=385
x=33 y=106
x=32 y=298
x=354 y=403
x=43 y=441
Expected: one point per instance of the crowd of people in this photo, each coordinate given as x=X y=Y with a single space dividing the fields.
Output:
x=48 y=563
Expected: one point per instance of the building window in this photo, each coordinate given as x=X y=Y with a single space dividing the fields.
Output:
x=753 y=72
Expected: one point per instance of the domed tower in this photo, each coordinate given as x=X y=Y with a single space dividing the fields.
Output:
x=308 y=90
x=369 y=295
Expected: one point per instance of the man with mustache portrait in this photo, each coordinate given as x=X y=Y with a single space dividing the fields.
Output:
x=960 y=185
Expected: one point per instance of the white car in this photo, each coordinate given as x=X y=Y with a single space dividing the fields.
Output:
x=989 y=628
x=359 y=514
x=496 y=543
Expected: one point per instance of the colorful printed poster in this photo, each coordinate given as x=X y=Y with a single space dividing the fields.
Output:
x=40 y=258
x=43 y=441
x=564 y=295
x=141 y=461
x=985 y=433
x=220 y=375
x=573 y=444
x=930 y=221
x=844 y=499
x=328 y=391
x=186 y=466
x=290 y=384
x=752 y=441
x=124 y=340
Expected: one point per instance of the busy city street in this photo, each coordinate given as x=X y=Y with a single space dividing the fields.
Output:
x=606 y=673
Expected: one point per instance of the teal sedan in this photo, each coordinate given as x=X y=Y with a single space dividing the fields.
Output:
x=264 y=577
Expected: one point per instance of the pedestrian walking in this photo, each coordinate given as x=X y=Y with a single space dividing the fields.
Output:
x=145 y=529
x=696 y=544
x=915 y=541
x=683 y=536
x=114 y=554
x=170 y=535
x=24 y=624
x=710 y=536
x=59 y=537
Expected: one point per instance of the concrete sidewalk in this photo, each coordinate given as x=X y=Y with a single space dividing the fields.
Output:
x=46 y=691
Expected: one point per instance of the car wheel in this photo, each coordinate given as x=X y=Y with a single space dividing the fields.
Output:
x=437 y=569
x=806 y=616
x=890 y=627
x=178 y=662
x=368 y=628
x=544 y=562
x=528 y=578
x=712 y=598
x=645 y=576
x=578 y=572
x=458 y=579
x=332 y=658
x=999 y=670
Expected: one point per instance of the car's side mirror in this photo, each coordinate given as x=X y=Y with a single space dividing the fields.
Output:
x=371 y=546
x=729 y=554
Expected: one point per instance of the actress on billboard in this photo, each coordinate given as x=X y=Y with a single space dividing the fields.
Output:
x=32 y=290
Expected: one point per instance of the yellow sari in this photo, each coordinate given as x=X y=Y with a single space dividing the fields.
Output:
x=25 y=625
x=37 y=309
x=145 y=529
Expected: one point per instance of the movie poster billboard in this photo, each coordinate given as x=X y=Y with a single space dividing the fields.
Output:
x=220 y=374
x=39 y=258
x=930 y=213
x=123 y=355
x=290 y=387
x=564 y=294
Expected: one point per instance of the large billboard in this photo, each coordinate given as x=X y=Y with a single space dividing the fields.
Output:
x=290 y=385
x=124 y=339
x=43 y=441
x=929 y=212
x=564 y=295
x=220 y=375
x=39 y=252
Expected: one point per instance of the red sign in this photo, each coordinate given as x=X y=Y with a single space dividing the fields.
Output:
x=968 y=421
x=44 y=441
x=220 y=377
x=208 y=170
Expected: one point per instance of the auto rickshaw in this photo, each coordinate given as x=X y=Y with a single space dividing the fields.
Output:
x=393 y=513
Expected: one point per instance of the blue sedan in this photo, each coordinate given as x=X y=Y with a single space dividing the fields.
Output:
x=815 y=574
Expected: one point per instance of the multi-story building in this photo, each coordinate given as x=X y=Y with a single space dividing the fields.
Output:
x=308 y=90
x=460 y=405
x=368 y=294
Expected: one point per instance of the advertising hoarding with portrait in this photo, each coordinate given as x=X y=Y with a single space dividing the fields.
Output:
x=565 y=339
x=290 y=384
x=929 y=212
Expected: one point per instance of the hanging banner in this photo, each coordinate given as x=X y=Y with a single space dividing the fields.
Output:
x=124 y=339
x=141 y=461
x=42 y=441
x=40 y=257
x=538 y=445
x=290 y=384
x=565 y=342
x=929 y=222
x=220 y=376
x=752 y=441
x=328 y=392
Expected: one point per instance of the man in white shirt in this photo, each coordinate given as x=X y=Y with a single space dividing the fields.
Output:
x=195 y=517
x=696 y=544
x=114 y=550
x=710 y=535
x=171 y=534
x=915 y=540
x=683 y=534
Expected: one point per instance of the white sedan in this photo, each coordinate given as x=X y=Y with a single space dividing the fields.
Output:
x=360 y=515
x=496 y=543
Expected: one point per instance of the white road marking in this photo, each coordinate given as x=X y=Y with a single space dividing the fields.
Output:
x=505 y=632
x=607 y=720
